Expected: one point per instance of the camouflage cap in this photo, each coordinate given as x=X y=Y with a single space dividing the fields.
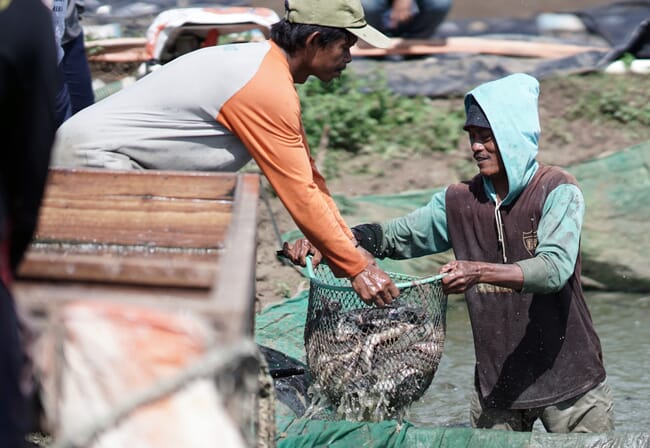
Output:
x=346 y=14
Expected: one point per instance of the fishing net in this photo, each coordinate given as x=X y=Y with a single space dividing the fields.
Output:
x=370 y=362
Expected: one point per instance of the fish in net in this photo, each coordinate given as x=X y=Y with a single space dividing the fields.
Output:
x=371 y=363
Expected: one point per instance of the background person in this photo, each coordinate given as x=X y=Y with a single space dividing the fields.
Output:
x=515 y=232
x=75 y=90
x=63 y=103
x=412 y=19
x=28 y=74
x=74 y=64
x=215 y=108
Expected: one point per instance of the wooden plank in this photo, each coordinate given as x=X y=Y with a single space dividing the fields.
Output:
x=126 y=49
x=98 y=225
x=234 y=291
x=480 y=45
x=137 y=269
x=168 y=209
x=166 y=229
x=118 y=42
x=117 y=56
x=91 y=183
x=137 y=203
x=134 y=50
x=142 y=251
x=41 y=296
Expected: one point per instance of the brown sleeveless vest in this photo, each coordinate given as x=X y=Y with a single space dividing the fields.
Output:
x=532 y=350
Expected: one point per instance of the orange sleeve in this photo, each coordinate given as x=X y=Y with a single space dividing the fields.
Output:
x=319 y=180
x=266 y=116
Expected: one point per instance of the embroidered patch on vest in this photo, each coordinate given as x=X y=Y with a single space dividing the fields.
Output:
x=485 y=288
x=530 y=241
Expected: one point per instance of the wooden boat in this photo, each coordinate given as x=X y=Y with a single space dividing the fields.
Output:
x=139 y=288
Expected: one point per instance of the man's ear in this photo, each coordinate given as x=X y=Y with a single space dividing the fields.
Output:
x=313 y=40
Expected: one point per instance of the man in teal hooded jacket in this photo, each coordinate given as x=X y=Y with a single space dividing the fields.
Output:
x=515 y=232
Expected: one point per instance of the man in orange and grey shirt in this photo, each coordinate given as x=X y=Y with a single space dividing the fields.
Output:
x=215 y=108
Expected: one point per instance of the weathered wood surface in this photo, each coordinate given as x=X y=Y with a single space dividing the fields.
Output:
x=89 y=183
x=174 y=270
x=475 y=45
x=134 y=50
x=124 y=49
x=89 y=223
x=104 y=233
x=238 y=270
x=156 y=228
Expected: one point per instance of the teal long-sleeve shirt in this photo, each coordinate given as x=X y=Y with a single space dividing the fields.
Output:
x=424 y=232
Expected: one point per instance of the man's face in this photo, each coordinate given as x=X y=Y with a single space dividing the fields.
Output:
x=485 y=151
x=329 y=62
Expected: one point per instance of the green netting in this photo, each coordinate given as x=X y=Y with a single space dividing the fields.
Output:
x=372 y=362
x=390 y=435
x=615 y=231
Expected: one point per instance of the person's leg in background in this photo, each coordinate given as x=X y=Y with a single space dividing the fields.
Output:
x=431 y=13
x=428 y=15
x=374 y=11
x=63 y=103
x=77 y=75
x=13 y=411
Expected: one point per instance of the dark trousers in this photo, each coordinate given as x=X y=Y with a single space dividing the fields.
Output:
x=76 y=73
x=13 y=404
x=63 y=104
x=429 y=15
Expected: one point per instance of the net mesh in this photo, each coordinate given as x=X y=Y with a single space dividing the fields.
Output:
x=370 y=362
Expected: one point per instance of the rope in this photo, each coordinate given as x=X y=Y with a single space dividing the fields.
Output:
x=278 y=235
x=266 y=430
x=276 y=229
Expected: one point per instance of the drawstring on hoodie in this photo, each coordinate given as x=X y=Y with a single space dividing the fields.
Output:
x=502 y=240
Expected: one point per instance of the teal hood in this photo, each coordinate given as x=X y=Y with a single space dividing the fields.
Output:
x=510 y=105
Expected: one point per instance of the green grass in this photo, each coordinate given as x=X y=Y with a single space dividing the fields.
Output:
x=353 y=117
x=356 y=115
x=621 y=99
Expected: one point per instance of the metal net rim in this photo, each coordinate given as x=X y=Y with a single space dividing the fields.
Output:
x=404 y=280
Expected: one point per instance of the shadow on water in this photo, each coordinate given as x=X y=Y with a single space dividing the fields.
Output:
x=621 y=321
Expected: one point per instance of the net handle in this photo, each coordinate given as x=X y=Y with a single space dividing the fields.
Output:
x=401 y=285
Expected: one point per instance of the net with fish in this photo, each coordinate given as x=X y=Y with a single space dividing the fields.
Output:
x=370 y=362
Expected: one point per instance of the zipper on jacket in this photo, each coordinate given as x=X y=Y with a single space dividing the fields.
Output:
x=499 y=221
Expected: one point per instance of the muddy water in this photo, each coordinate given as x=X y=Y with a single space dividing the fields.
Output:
x=623 y=323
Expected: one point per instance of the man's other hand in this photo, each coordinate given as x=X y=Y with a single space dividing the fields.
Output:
x=299 y=250
x=374 y=286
